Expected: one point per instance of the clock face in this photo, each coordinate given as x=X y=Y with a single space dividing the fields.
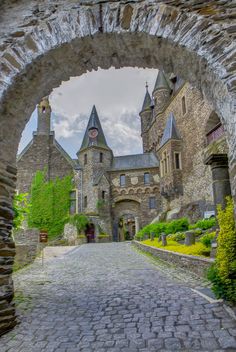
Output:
x=93 y=133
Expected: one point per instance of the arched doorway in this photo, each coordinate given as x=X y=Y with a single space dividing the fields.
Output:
x=90 y=233
x=39 y=51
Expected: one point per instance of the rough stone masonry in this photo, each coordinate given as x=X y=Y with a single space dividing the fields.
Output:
x=44 y=42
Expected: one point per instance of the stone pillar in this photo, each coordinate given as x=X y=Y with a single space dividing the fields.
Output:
x=7 y=248
x=136 y=225
x=220 y=177
x=163 y=239
x=189 y=238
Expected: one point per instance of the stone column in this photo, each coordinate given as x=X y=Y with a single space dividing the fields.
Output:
x=220 y=177
x=7 y=248
x=136 y=225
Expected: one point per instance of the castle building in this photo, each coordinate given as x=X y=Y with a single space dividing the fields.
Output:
x=170 y=179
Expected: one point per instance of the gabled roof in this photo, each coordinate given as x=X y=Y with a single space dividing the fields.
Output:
x=147 y=101
x=161 y=81
x=137 y=161
x=94 y=123
x=97 y=178
x=71 y=161
x=171 y=131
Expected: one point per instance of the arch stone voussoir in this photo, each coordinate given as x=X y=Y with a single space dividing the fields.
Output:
x=42 y=44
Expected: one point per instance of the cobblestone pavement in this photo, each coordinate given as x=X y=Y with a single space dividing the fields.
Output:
x=110 y=298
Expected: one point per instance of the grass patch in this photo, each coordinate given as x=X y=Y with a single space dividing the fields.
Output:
x=197 y=249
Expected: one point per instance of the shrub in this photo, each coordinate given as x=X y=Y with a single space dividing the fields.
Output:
x=197 y=249
x=167 y=227
x=204 y=224
x=178 y=236
x=103 y=235
x=207 y=238
x=80 y=221
x=223 y=272
x=177 y=226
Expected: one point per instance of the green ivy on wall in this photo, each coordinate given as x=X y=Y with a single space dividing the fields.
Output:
x=50 y=202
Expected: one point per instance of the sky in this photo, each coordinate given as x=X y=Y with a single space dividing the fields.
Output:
x=118 y=96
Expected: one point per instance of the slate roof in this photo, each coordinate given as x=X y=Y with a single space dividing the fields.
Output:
x=170 y=131
x=147 y=101
x=161 y=81
x=137 y=161
x=100 y=140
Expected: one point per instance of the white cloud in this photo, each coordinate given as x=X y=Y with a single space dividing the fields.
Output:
x=118 y=96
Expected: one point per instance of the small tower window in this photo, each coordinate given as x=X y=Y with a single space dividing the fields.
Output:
x=85 y=159
x=85 y=201
x=103 y=194
x=43 y=109
x=184 y=109
x=101 y=157
x=146 y=178
x=122 y=180
x=177 y=161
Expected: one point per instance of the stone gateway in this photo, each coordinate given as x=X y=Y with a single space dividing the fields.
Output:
x=39 y=38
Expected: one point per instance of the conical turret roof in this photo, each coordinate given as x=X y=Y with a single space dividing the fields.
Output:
x=147 y=101
x=161 y=81
x=94 y=135
x=171 y=131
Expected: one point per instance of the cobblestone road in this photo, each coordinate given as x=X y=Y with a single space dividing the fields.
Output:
x=109 y=298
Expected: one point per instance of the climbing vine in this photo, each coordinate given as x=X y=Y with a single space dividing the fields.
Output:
x=49 y=203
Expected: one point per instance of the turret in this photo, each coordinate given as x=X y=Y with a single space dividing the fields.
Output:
x=44 y=117
x=146 y=118
x=161 y=92
x=95 y=157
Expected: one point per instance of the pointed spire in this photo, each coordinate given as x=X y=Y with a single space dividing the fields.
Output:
x=171 y=131
x=161 y=81
x=147 y=100
x=94 y=134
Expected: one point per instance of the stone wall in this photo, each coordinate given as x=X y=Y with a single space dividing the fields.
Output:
x=195 y=177
x=27 y=247
x=41 y=154
x=197 y=265
x=136 y=192
x=38 y=39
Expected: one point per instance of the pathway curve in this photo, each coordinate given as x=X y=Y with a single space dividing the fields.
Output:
x=109 y=298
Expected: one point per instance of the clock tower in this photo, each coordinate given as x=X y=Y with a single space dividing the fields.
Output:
x=95 y=158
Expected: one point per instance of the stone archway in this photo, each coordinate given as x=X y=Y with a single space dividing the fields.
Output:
x=43 y=44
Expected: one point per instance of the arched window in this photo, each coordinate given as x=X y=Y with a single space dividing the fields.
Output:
x=122 y=180
x=146 y=178
x=214 y=128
